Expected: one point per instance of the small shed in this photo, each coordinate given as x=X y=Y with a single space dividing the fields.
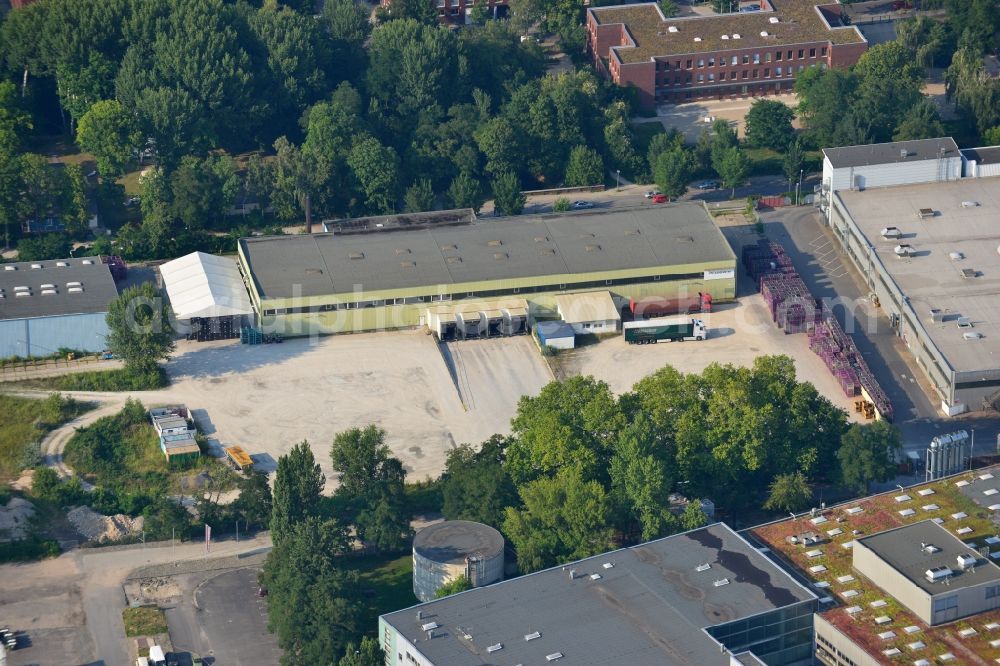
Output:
x=180 y=448
x=556 y=334
x=589 y=312
x=239 y=458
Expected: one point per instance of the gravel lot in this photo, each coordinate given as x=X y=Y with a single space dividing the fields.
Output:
x=738 y=333
x=267 y=398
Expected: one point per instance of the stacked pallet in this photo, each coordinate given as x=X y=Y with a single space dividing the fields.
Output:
x=794 y=310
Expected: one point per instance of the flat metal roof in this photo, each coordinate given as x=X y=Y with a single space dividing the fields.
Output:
x=454 y=540
x=503 y=249
x=94 y=278
x=932 y=279
x=643 y=606
x=891 y=153
x=984 y=155
x=902 y=549
x=587 y=306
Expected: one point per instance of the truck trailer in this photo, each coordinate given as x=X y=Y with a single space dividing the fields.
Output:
x=656 y=306
x=670 y=329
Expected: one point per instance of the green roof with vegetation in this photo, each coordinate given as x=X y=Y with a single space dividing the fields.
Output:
x=799 y=22
x=878 y=514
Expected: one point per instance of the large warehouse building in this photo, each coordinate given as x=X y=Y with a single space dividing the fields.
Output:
x=407 y=270
x=930 y=254
x=701 y=598
x=46 y=306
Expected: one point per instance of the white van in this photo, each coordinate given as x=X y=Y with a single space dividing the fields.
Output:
x=156 y=656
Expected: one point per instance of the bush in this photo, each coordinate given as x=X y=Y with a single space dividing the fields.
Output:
x=118 y=379
x=45 y=484
x=561 y=205
x=28 y=549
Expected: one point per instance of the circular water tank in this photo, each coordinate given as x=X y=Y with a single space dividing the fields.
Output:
x=445 y=551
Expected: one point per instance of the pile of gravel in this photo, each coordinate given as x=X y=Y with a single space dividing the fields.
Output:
x=98 y=527
x=14 y=518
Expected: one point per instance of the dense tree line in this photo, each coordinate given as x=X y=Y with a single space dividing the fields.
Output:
x=341 y=117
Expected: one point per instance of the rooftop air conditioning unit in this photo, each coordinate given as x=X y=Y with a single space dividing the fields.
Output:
x=764 y=33
x=736 y=35
x=62 y=264
x=773 y=19
x=35 y=267
x=964 y=322
x=970 y=204
x=904 y=153
x=14 y=268
x=673 y=28
x=892 y=232
x=972 y=335
x=965 y=561
x=937 y=316
x=725 y=36
x=937 y=573
x=88 y=262
x=904 y=250
x=956 y=256
x=697 y=39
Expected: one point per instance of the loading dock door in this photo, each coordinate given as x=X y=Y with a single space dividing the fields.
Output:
x=494 y=323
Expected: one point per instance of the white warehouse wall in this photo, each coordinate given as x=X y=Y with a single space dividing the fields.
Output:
x=885 y=175
x=41 y=336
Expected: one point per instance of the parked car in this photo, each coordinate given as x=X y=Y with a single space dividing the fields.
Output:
x=901 y=4
x=707 y=185
x=661 y=198
x=652 y=193
x=580 y=205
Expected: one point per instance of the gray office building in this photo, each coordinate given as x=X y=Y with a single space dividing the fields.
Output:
x=700 y=598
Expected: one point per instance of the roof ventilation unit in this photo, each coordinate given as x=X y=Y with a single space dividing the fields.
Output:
x=495 y=243
x=956 y=256
x=595 y=576
x=48 y=286
x=406 y=264
x=764 y=33
x=965 y=561
x=494 y=648
x=891 y=232
x=697 y=39
x=75 y=290
x=929 y=548
x=725 y=37
x=703 y=567
x=937 y=574
x=51 y=292
x=14 y=268
x=937 y=315
x=35 y=267
x=721 y=582
x=62 y=264
x=22 y=288
x=402 y=251
x=22 y=293
x=74 y=284
x=673 y=28
x=904 y=250
x=555 y=656
x=88 y=262
x=532 y=636
x=774 y=19
x=970 y=273
x=904 y=153
x=357 y=255
x=970 y=204
x=429 y=626
x=925 y=213
x=608 y=565
x=736 y=35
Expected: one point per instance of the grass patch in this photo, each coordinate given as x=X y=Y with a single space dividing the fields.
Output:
x=144 y=621
x=118 y=379
x=26 y=550
x=23 y=423
x=117 y=448
x=387 y=585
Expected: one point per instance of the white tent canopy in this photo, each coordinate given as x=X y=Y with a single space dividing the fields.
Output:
x=204 y=285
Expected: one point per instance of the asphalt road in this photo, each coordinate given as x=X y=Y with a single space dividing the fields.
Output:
x=229 y=623
x=829 y=275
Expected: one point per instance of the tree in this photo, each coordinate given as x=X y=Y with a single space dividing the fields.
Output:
x=253 y=505
x=165 y=519
x=14 y=120
x=869 y=453
x=672 y=172
x=419 y=197
x=789 y=492
x=376 y=168
x=384 y=528
x=769 y=124
x=202 y=190
x=453 y=586
x=507 y=196
x=464 y=192
x=77 y=215
x=669 y=8
x=348 y=26
x=561 y=205
x=422 y=11
x=733 y=167
x=367 y=653
x=792 y=164
x=564 y=518
x=991 y=137
x=298 y=486
x=139 y=328
x=641 y=480
x=43 y=246
x=585 y=167
x=661 y=143
x=312 y=603
x=693 y=516
x=45 y=484
x=920 y=122
x=475 y=484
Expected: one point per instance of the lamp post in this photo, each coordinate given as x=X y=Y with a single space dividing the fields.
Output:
x=618 y=183
x=798 y=189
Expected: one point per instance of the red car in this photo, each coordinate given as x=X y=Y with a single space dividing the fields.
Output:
x=901 y=4
x=661 y=198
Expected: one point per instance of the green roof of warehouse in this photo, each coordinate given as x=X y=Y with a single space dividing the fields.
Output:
x=596 y=241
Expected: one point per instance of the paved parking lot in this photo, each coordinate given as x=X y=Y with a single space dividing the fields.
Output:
x=229 y=623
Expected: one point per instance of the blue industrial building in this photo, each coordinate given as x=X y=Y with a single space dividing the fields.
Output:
x=49 y=305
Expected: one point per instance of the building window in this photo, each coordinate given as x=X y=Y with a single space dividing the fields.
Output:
x=822 y=51
x=677 y=64
x=701 y=62
x=822 y=65
x=801 y=67
x=812 y=53
x=744 y=75
x=711 y=77
x=732 y=75
x=767 y=57
x=711 y=61
x=756 y=58
x=767 y=72
x=777 y=56
x=734 y=61
x=802 y=54
x=992 y=591
x=777 y=71
x=746 y=59
x=688 y=65
x=701 y=78
x=755 y=73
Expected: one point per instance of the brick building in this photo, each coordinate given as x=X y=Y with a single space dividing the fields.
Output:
x=743 y=54
x=460 y=11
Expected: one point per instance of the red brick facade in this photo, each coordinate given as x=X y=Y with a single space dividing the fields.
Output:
x=725 y=73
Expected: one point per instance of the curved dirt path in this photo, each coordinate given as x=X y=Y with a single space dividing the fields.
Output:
x=54 y=443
